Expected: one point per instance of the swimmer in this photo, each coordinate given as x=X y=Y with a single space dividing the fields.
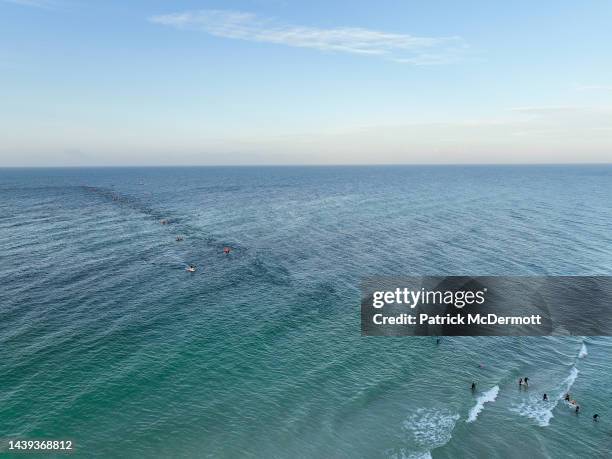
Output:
x=226 y=250
x=595 y=418
x=191 y=268
x=577 y=408
x=473 y=386
x=179 y=238
x=526 y=381
x=545 y=398
x=521 y=382
x=567 y=397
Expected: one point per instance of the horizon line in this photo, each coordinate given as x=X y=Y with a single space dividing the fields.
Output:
x=307 y=165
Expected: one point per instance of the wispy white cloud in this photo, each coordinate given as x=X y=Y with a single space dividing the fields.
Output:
x=595 y=87
x=398 y=47
x=552 y=109
x=576 y=115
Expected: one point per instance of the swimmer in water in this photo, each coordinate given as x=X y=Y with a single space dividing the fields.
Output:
x=526 y=381
x=473 y=386
x=567 y=397
x=545 y=398
x=595 y=417
x=521 y=382
x=577 y=408
x=226 y=250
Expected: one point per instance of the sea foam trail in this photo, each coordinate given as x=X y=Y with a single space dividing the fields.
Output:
x=426 y=455
x=403 y=454
x=485 y=397
x=427 y=429
x=568 y=382
x=583 y=351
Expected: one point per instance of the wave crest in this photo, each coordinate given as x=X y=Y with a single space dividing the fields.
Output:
x=485 y=397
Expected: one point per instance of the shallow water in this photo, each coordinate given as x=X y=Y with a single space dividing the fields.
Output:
x=106 y=339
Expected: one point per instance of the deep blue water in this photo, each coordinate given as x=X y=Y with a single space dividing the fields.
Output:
x=107 y=340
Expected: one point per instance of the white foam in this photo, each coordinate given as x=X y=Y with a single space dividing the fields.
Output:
x=569 y=381
x=430 y=428
x=426 y=429
x=569 y=405
x=403 y=454
x=535 y=409
x=485 y=397
x=542 y=411
x=425 y=455
x=583 y=351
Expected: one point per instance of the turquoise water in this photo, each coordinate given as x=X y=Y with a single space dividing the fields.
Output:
x=107 y=340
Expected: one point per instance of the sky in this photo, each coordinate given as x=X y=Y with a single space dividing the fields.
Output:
x=99 y=83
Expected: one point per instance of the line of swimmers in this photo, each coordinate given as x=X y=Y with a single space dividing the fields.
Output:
x=192 y=268
x=524 y=382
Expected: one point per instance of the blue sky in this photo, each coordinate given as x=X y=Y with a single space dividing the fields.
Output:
x=318 y=82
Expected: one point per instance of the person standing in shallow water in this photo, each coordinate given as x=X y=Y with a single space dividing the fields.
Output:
x=545 y=398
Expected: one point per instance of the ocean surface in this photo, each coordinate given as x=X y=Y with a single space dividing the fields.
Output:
x=105 y=339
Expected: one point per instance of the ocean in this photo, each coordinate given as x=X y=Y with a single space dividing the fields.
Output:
x=106 y=340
